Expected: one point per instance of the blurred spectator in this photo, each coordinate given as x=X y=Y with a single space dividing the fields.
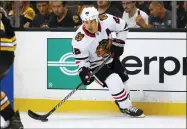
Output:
x=27 y=14
x=167 y=5
x=1 y=3
x=103 y=6
x=84 y=4
x=80 y=8
x=71 y=3
x=6 y=5
x=142 y=5
x=131 y=13
x=180 y=8
x=160 y=17
x=182 y=18
x=118 y=5
x=62 y=16
x=42 y=18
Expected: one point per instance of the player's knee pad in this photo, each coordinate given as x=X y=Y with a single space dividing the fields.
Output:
x=4 y=101
x=119 y=69
x=114 y=83
x=124 y=77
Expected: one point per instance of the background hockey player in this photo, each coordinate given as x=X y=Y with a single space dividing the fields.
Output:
x=7 y=47
x=94 y=40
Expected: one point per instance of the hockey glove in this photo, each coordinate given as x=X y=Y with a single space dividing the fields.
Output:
x=117 y=47
x=85 y=76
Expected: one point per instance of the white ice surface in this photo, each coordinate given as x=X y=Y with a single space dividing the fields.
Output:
x=63 y=120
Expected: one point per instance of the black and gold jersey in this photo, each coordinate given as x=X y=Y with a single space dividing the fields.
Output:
x=7 y=36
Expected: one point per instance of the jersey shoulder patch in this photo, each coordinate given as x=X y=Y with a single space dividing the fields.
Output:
x=103 y=17
x=79 y=36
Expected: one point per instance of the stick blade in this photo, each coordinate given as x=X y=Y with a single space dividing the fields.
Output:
x=37 y=116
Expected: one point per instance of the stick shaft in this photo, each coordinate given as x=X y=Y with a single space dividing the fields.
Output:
x=72 y=92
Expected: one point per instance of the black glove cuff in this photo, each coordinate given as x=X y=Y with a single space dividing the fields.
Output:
x=85 y=74
x=118 y=51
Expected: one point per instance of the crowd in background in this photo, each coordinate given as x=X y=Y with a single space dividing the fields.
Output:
x=137 y=14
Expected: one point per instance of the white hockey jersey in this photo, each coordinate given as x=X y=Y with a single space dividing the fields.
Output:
x=85 y=44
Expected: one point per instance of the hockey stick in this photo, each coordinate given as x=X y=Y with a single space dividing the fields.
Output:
x=44 y=117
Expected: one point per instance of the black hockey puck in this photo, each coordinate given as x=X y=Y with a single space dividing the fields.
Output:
x=44 y=120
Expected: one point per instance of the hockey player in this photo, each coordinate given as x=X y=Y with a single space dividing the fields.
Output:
x=7 y=47
x=98 y=36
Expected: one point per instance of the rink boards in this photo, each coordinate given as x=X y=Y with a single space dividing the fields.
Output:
x=45 y=72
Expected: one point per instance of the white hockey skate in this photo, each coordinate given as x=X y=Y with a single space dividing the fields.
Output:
x=132 y=111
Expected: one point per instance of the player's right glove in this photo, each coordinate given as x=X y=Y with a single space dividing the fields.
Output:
x=115 y=45
x=85 y=76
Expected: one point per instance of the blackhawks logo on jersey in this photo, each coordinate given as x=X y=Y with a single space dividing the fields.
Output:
x=103 y=48
x=103 y=17
x=79 y=36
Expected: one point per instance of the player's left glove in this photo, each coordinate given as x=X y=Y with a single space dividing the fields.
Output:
x=85 y=76
x=117 y=47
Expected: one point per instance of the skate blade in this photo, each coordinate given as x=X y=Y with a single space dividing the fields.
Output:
x=141 y=116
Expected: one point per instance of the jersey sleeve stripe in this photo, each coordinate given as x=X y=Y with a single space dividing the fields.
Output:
x=7 y=44
x=8 y=40
x=8 y=48
x=83 y=58
x=119 y=41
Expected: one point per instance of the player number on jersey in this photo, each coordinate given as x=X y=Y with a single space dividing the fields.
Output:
x=76 y=51
x=116 y=19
